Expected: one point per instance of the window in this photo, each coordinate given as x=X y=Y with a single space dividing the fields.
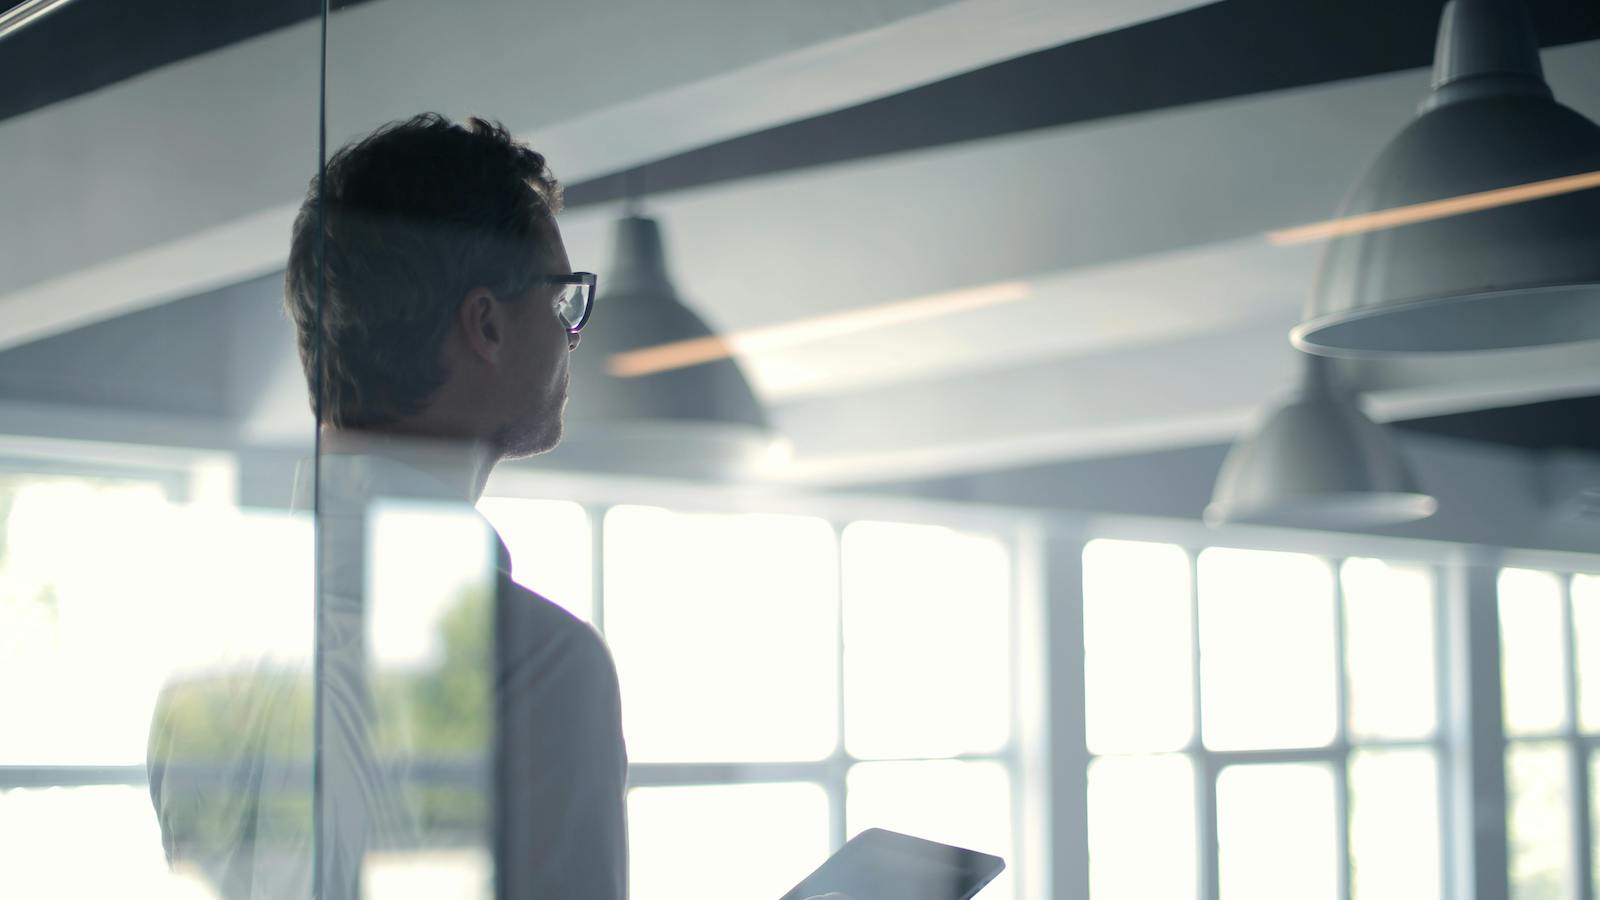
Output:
x=551 y=548
x=726 y=840
x=95 y=573
x=789 y=681
x=1283 y=705
x=725 y=632
x=928 y=614
x=1549 y=642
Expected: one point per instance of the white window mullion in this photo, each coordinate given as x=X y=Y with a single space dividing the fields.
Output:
x=1206 y=767
x=1476 y=721
x=1583 y=886
x=1341 y=771
x=1069 y=799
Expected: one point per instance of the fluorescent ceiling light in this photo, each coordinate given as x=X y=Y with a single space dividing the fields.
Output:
x=26 y=13
x=1434 y=209
x=681 y=354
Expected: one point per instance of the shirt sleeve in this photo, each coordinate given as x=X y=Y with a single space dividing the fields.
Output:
x=561 y=767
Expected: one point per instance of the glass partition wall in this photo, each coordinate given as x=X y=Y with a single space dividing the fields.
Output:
x=156 y=585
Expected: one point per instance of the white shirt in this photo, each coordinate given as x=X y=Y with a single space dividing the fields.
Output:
x=508 y=740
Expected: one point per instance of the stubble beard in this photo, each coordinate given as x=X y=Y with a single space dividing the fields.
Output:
x=538 y=433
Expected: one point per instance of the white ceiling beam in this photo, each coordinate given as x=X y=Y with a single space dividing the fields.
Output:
x=184 y=177
x=1190 y=391
x=1200 y=389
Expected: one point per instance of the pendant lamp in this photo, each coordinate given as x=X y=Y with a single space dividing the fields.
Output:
x=1318 y=461
x=698 y=421
x=1487 y=269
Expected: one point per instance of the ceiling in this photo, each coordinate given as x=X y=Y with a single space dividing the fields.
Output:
x=1114 y=165
x=1212 y=52
x=90 y=44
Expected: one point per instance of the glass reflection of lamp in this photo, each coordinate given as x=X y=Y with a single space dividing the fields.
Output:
x=1517 y=273
x=699 y=420
x=1318 y=461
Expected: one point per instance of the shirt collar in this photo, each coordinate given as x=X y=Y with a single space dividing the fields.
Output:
x=352 y=482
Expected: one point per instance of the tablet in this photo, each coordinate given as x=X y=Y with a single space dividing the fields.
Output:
x=886 y=865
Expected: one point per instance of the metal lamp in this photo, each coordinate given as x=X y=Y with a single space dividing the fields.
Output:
x=1479 y=269
x=1318 y=461
x=699 y=421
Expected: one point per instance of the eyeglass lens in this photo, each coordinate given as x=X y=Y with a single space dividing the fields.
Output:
x=571 y=303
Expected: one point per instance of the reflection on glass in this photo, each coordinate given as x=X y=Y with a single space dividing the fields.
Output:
x=466 y=873
x=423 y=559
x=967 y=804
x=1142 y=809
x=1277 y=832
x=550 y=547
x=725 y=632
x=89 y=842
x=724 y=842
x=238 y=676
x=1268 y=668
x=88 y=574
x=1394 y=825
x=1138 y=654
x=1586 y=635
x=1389 y=649
x=1531 y=659
x=927 y=641
x=430 y=584
x=1539 y=827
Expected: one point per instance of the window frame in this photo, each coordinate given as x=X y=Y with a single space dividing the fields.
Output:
x=1046 y=550
x=1209 y=764
x=1474 y=831
x=180 y=474
x=831 y=773
x=1578 y=747
x=190 y=476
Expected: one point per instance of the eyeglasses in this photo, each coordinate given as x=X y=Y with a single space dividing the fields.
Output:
x=575 y=299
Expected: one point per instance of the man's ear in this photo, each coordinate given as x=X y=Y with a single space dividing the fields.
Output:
x=482 y=325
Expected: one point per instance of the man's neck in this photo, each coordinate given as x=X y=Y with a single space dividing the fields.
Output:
x=462 y=465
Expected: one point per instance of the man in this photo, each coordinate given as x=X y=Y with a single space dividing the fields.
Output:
x=435 y=309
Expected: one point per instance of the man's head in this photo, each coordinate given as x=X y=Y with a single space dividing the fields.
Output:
x=417 y=258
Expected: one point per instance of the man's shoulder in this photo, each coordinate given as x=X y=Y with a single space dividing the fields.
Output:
x=540 y=630
x=534 y=608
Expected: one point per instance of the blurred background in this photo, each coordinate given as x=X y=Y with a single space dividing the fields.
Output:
x=972 y=487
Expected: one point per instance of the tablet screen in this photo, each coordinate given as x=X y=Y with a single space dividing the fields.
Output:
x=886 y=865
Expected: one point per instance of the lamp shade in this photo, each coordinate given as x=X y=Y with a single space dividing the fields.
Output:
x=699 y=420
x=1495 y=272
x=1318 y=461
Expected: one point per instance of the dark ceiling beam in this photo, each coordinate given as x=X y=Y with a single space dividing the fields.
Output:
x=1228 y=49
x=90 y=44
x=1224 y=50
x=1571 y=423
